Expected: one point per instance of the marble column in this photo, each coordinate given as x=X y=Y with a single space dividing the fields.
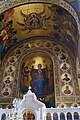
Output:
x=51 y=116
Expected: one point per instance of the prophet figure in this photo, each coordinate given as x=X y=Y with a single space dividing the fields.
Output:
x=66 y=78
x=64 y=67
x=67 y=91
x=25 y=79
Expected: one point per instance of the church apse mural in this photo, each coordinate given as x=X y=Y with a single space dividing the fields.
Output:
x=50 y=29
x=51 y=74
x=37 y=72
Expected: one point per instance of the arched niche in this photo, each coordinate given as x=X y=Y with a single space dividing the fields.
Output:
x=52 y=52
x=48 y=116
x=3 y=117
x=37 y=71
x=76 y=116
x=69 y=116
x=55 y=116
x=62 y=116
x=29 y=115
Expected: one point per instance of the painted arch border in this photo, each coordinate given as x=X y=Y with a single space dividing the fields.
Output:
x=14 y=3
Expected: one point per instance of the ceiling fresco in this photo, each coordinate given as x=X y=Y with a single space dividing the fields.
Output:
x=44 y=20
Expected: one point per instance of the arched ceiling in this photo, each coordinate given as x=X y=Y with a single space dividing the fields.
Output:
x=39 y=19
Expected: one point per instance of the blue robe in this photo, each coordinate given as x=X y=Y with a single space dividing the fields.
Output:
x=39 y=83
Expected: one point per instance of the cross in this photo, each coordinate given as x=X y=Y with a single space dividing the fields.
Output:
x=29 y=88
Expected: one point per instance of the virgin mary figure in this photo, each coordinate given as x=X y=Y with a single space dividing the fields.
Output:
x=39 y=81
